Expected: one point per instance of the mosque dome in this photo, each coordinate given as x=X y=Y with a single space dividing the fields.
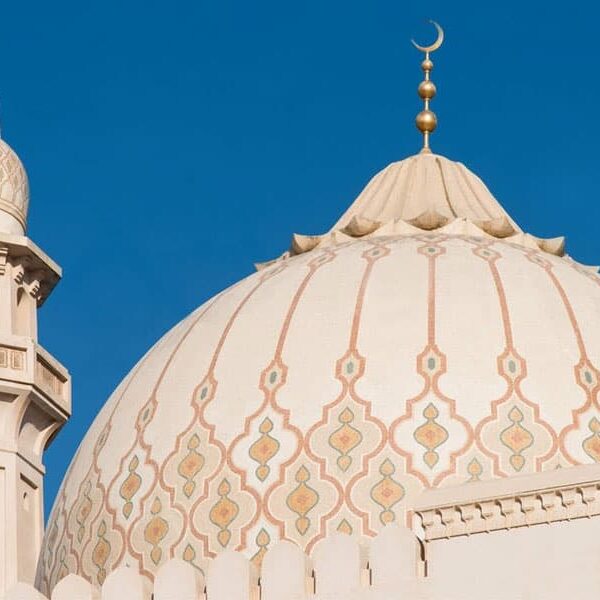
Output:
x=425 y=340
x=14 y=192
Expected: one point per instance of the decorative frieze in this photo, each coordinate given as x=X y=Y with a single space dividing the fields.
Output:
x=12 y=358
x=47 y=378
x=516 y=502
x=32 y=365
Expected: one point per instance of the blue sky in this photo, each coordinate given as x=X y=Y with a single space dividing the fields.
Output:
x=171 y=145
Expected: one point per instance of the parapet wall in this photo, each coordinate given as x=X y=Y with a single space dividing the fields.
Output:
x=339 y=569
x=524 y=538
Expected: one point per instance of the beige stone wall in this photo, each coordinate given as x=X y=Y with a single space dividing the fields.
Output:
x=556 y=560
x=543 y=562
x=524 y=537
x=543 y=545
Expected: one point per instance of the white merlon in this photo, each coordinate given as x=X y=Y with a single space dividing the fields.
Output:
x=396 y=564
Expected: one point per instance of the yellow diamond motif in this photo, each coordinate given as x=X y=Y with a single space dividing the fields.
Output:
x=516 y=438
x=224 y=512
x=302 y=500
x=264 y=449
x=387 y=492
x=431 y=435
x=345 y=439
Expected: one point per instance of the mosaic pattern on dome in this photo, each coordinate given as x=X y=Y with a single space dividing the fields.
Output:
x=305 y=463
x=14 y=186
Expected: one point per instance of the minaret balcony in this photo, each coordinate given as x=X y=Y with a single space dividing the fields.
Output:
x=36 y=393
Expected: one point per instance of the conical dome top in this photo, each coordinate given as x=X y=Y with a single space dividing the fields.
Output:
x=425 y=192
x=426 y=184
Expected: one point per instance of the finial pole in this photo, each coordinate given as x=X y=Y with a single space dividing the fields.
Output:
x=426 y=120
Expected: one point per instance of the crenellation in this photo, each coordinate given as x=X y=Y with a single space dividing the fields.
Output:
x=393 y=557
x=73 y=587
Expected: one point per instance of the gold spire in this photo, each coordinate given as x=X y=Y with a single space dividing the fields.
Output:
x=426 y=120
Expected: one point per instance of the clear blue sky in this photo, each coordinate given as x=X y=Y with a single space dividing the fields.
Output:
x=169 y=145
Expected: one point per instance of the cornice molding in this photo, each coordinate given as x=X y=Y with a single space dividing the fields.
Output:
x=30 y=266
x=481 y=507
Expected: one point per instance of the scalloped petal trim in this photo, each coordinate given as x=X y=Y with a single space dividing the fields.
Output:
x=426 y=222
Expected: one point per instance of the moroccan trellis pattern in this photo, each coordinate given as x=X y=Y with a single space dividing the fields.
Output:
x=325 y=393
x=14 y=186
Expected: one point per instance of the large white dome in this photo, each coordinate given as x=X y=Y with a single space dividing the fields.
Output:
x=327 y=390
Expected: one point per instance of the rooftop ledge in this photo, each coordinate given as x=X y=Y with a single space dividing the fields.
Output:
x=479 y=507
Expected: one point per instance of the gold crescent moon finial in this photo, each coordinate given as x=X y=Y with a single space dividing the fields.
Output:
x=426 y=120
x=436 y=44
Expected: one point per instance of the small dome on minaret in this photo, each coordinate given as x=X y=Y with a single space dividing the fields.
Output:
x=14 y=192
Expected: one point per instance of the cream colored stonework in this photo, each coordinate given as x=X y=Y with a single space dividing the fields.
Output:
x=35 y=392
x=543 y=543
x=533 y=536
x=324 y=393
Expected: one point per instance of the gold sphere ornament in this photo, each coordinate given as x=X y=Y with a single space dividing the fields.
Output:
x=426 y=121
x=427 y=65
x=427 y=89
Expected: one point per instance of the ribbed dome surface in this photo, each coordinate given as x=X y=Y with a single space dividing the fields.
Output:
x=425 y=182
x=325 y=392
x=14 y=191
x=426 y=192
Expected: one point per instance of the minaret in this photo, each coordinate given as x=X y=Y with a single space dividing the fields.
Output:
x=35 y=389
